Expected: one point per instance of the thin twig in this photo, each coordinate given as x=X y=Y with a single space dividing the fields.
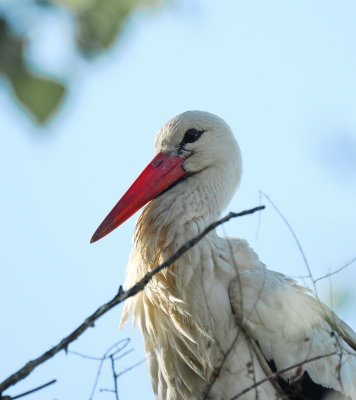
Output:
x=125 y=342
x=123 y=354
x=130 y=368
x=300 y=248
x=252 y=366
x=276 y=374
x=121 y=296
x=87 y=357
x=114 y=376
x=106 y=390
x=217 y=371
x=32 y=390
x=336 y=271
x=337 y=340
x=105 y=356
x=110 y=353
x=242 y=330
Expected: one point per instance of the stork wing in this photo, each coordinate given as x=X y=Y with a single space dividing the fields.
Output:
x=299 y=337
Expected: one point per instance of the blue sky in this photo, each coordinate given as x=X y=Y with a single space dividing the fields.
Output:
x=282 y=74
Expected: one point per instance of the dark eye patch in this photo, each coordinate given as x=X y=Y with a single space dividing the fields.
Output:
x=191 y=135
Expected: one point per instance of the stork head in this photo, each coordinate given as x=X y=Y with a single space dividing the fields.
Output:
x=203 y=139
x=196 y=145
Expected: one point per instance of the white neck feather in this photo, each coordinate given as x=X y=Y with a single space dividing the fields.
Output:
x=164 y=225
x=173 y=309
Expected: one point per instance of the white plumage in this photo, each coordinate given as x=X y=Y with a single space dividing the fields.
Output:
x=218 y=315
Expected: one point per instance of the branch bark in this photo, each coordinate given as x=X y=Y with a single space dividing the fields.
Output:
x=121 y=296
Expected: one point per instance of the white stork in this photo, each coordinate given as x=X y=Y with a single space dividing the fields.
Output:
x=218 y=322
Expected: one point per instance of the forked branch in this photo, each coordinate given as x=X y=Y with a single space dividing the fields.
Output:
x=121 y=296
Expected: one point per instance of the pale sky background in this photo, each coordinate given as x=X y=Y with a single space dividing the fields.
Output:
x=282 y=74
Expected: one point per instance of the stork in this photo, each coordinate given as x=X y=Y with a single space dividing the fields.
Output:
x=218 y=324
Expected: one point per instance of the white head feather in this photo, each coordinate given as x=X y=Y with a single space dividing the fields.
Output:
x=214 y=159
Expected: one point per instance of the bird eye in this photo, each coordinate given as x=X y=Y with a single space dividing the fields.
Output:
x=192 y=135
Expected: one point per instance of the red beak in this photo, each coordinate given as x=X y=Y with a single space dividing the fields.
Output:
x=159 y=174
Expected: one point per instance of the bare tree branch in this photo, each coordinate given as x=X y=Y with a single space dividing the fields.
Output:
x=121 y=296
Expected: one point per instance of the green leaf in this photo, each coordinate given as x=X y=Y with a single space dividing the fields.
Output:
x=39 y=95
x=73 y=5
x=101 y=23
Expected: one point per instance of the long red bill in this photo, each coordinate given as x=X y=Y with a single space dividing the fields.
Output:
x=159 y=174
